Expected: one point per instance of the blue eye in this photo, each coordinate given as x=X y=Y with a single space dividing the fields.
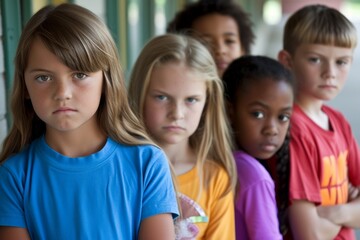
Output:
x=80 y=75
x=161 y=97
x=43 y=78
x=191 y=100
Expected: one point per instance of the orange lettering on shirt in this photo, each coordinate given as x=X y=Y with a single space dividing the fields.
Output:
x=334 y=182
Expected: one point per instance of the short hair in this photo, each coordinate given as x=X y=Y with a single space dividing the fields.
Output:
x=211 y=140
x=318 y=24
x=248 y=70
x=184 y=19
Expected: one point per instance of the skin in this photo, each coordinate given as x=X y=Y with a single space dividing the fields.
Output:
x=222 y=34
x=173 y=106
x=67 y=101
x=321 y=72
x=260 y=117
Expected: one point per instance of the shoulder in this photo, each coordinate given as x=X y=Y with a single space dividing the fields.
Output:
x=18 y=162
x=334 y=114
x=17 y=168
x=215 y=175
x=250 y=169
x=214 y=169
x=140 y=159
x=145 y=152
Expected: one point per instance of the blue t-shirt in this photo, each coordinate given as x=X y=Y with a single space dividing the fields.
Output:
x=105 y=195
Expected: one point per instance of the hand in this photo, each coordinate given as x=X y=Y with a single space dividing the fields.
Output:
x=331 y=213
x=353 y=192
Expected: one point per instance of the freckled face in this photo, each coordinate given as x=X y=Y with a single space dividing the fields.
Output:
x=260 y=117
x=174 y=103
x=222 y=34
x=65 y=99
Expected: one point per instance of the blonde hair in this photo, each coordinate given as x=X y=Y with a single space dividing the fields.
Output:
x=318 y=24
x=81 y=41
x=211 y=141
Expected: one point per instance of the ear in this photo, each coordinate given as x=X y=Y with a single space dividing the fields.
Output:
x=284 y=58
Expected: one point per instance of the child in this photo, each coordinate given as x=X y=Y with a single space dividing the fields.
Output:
x=221 y=23
x=175 y=90
x=259 y=93
x=77 y=164
x=324 y=157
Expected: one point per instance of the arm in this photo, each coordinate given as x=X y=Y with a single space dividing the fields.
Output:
x=306 y=224
x=158 y=227
x=258 y=207
x=344 y=214
x=13 y=233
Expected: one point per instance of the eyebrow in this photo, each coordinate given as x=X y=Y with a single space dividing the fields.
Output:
x=229 y=34
x=156 y=91
x=39 y=70
x=267 y=106
x=321 y=54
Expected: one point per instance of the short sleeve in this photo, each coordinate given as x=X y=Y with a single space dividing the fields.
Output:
x=159 y=194
x=222 y=220
x=353 y=158
x=259 y=206
x=304 y=182
x=11 y=200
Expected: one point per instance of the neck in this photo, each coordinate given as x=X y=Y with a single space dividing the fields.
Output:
x=315 y=113
x=181 y=156
x=75 y=144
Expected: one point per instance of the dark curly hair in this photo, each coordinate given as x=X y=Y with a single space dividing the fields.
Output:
x=184 y=19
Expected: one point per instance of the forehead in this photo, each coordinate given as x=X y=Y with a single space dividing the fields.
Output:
x=40 y=55
x=176 y=76
x=266 y=90
x=215 y=23
x=324 y=50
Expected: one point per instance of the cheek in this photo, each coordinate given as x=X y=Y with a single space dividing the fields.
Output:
x=284 y=130
x=152 y=115
x=195 y=114
x=236 y=51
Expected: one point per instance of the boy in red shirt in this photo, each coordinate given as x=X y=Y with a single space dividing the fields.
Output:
x=324 y=156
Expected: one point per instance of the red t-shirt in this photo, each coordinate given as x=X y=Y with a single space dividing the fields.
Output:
x=322 y=162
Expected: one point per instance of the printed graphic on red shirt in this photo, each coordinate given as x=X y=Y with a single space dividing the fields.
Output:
x=334 y=182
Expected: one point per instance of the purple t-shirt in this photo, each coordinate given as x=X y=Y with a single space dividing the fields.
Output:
x=255 y=207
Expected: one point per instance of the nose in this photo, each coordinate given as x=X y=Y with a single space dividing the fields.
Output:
x=329 y=70
x=271 y=128
x=63 y=90
x=219 y=48
x=177 y=111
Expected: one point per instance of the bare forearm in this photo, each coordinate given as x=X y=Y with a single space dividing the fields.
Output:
x=306 y=224
x=344 y=214
x=14 y=233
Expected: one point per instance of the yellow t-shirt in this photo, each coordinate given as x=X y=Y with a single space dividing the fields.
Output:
x=210 y=213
